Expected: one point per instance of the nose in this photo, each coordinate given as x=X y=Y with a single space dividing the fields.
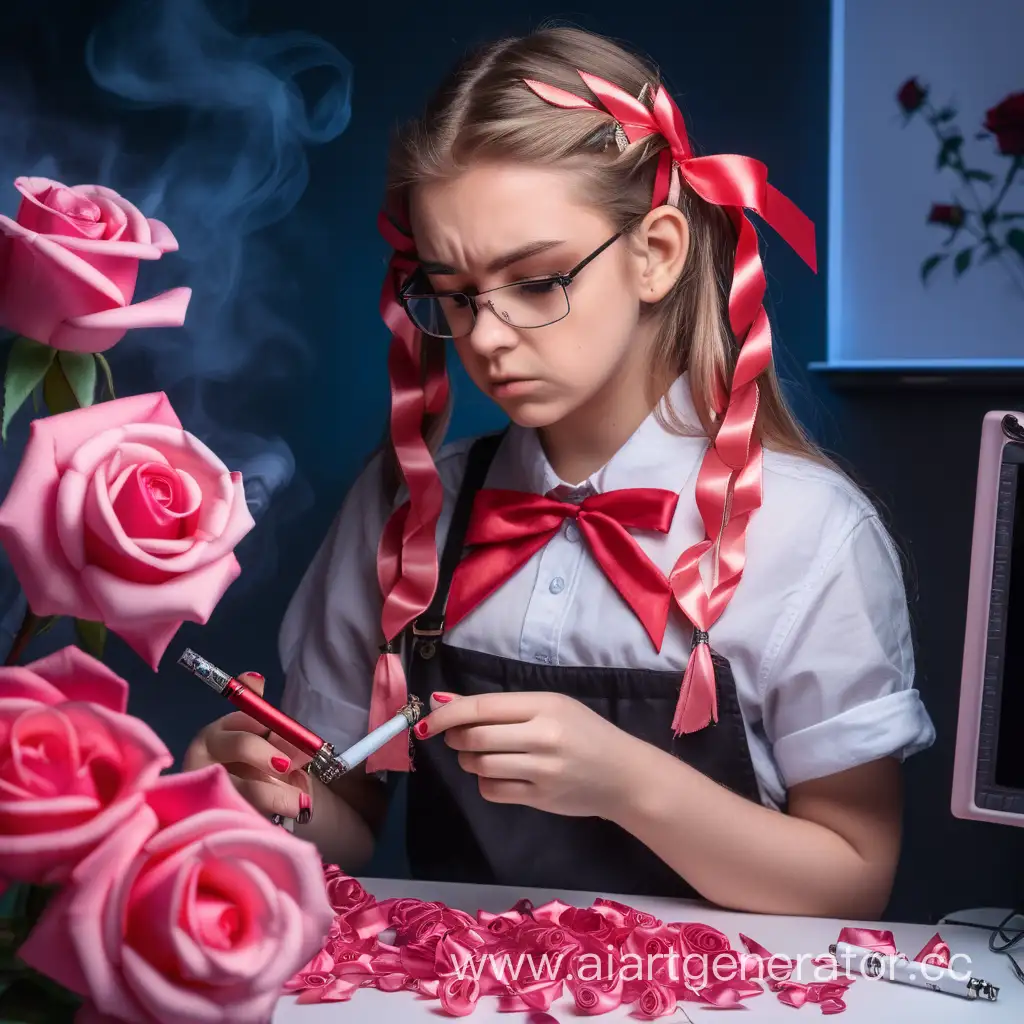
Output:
x=490 y=333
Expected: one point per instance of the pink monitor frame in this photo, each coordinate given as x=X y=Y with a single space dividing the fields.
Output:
x=1000 y=471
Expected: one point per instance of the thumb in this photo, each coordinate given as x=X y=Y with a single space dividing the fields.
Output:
x=437 y=699
x=254 y=681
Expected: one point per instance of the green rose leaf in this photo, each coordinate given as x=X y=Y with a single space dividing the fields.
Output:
x=963 y=260
x=27 y=365
x=33 y=999
x=929 y=265
x=80 y=371
x=57 y=393
x=92 y=637
x=101 y=361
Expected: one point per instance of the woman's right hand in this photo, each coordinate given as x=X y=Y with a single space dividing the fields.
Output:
x=267 y=771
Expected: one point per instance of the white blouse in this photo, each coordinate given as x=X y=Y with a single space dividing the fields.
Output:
x=818 y=632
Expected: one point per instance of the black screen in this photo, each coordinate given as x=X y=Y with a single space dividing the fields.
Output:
x=1010 y=745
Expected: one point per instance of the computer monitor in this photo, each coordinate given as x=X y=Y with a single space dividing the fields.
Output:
x=988 y=773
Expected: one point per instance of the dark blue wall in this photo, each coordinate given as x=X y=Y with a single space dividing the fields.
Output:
x=752 y=77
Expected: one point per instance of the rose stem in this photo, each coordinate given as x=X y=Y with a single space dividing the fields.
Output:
x=23 y=637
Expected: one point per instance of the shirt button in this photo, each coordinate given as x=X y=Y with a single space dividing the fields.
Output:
x=557 y=585
x=571 y=531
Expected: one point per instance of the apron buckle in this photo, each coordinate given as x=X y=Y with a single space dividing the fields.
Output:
x=426 y=648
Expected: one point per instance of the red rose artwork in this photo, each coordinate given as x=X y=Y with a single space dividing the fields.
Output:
x=984 y=221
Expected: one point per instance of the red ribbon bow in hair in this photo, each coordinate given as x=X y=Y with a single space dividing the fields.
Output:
x=407 y=555
x=729 y=482
x=508 y=527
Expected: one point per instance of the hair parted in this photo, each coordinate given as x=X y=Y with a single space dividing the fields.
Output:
x=484 y=111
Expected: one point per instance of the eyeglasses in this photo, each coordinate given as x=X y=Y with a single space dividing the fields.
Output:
x=536 y=302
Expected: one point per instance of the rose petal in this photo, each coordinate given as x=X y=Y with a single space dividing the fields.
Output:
x=31 y=539
x=48 y=856
x=115 y=220
x=137 y=226
x=93 y=289
x=147 y=617
x=79 y=677
x=63 y=434
x=162 y=237
x=47 y=207
x=69 y=943
x=99 y=331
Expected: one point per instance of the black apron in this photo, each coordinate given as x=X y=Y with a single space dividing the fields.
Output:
x=454 y=834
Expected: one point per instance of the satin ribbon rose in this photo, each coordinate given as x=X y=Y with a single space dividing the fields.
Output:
x=195 y=909
x=69 y=263
x=119 y=515
x=72 y=763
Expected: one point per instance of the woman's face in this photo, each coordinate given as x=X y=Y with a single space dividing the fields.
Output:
x=498 y=224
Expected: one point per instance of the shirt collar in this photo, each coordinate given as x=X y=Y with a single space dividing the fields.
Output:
x=653 y=456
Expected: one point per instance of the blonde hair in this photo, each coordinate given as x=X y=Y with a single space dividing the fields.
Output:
x=483 y=111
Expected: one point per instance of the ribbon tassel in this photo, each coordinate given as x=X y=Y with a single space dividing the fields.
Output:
x=697 y=706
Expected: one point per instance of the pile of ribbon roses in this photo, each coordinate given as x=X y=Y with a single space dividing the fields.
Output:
x=604 y=956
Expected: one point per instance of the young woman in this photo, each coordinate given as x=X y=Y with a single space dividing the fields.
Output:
x=665 y=642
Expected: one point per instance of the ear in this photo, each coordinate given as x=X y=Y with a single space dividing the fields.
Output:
x=664 y=243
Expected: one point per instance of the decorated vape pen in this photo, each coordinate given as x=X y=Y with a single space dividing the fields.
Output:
x=325 y=763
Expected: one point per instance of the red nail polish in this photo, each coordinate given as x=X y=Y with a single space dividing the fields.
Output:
x=420 y=729
x=280 y=764
x=256 y=675
x=305 y=809
x=304 y=801
x=441 y=698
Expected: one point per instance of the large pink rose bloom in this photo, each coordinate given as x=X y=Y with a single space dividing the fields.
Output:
x=196 y=909
x=72 y=763
x=118 y=515
x=69 y=264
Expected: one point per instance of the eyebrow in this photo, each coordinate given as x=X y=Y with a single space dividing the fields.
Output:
x=502 y=262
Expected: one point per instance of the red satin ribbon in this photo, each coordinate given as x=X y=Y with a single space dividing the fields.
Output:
x=407 y=553
x=729 y=487
x=601 y=958
x=507 y=528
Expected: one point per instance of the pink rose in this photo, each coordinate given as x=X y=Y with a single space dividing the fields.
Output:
x=656 y=1001
x=72 y=763
x=346 y=894
x=587 y=924
x=196 y=908
x=459 y=996
x=69 y=264
x=117 y=514
x=702 y=938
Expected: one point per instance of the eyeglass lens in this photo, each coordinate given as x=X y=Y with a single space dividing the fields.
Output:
x=525 y=304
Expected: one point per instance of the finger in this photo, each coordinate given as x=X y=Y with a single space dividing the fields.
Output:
x=238 y=747
x=239 y=721
x=505 y=791
x=481 y=707
x=270 y=797
x=514 y=767
x=441 y=698
x=253 y=680
x=516 y=737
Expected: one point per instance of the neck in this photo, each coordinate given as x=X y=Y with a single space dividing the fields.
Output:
x=584 y=441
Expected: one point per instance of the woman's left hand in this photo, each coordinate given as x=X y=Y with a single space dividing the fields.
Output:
x=544 y=750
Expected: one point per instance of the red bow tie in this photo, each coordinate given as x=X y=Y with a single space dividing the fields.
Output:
x=508 y=527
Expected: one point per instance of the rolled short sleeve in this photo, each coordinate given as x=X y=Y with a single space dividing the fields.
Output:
x=329 y=637
x=840 y=690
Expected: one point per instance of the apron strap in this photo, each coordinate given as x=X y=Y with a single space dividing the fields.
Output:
x=429 y=626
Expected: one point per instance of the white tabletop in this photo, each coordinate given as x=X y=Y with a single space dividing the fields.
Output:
x=879 y=1002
